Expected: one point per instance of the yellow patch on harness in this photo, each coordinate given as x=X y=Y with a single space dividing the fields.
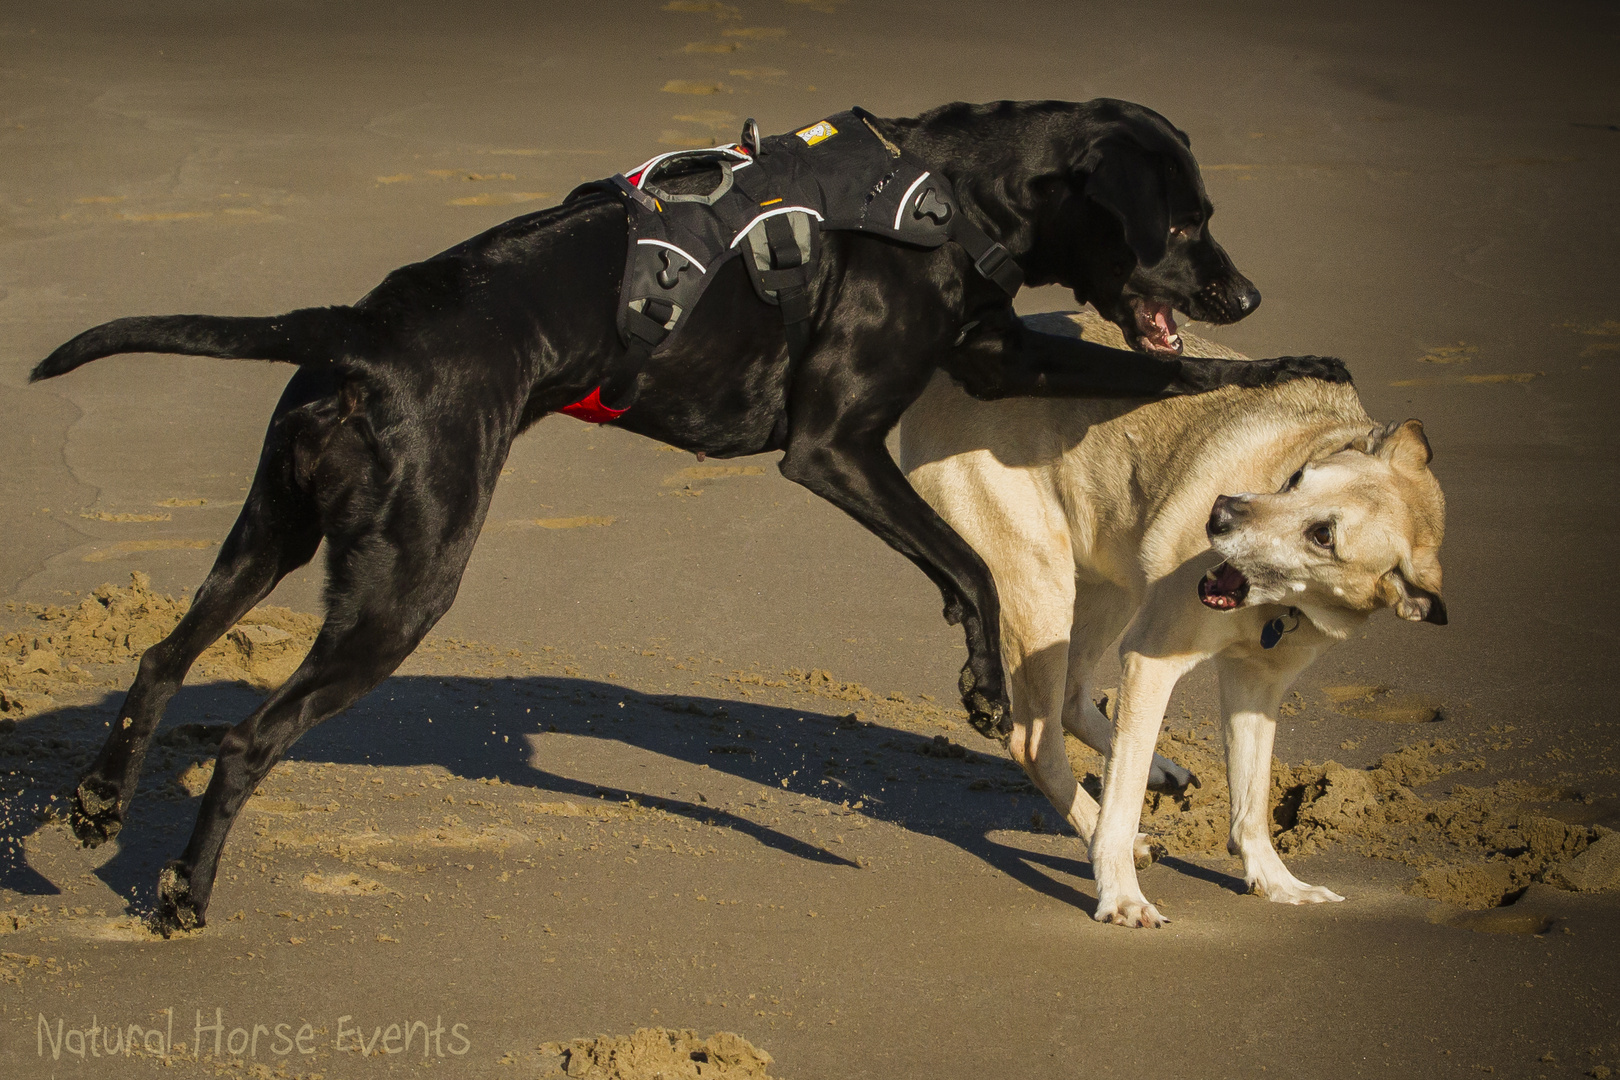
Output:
x=820 y=131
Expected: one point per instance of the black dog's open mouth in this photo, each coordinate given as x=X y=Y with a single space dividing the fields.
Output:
x=1223 y=588
x=1155 y=326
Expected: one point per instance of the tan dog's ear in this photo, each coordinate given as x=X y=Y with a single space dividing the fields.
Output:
x=1403 y=445
x=1413 y=589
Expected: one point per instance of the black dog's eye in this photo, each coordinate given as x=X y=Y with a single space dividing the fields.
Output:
x=1321 y=534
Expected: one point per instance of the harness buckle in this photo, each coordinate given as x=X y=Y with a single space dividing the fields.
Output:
x=997 y=264
x=630 y=190
x=648 y=322
x=994 y=258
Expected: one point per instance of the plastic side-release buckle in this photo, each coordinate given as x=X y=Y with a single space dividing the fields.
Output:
x=591 y=410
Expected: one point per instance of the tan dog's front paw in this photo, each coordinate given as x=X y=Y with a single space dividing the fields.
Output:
x=1129 y=911
x=1294 y=891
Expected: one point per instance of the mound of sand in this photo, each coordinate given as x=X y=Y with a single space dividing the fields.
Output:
x=658 y=1054
x=1476 y=847
x=115 y=625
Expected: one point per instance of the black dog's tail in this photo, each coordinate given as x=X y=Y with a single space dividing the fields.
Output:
x=307 y=336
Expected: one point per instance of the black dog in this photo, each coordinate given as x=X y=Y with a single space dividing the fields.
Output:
x=388 y=441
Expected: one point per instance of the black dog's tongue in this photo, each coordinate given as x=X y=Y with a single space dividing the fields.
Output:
x=1223 y=588
x=1156 y=322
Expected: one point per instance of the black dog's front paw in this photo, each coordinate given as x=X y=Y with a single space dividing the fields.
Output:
x=1327 y=368
x=991 y=716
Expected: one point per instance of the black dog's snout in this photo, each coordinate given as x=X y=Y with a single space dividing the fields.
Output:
x=1225 y=299
x=1224 y=517
x=1237 y=297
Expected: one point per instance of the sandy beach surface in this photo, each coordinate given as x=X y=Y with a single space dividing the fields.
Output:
x=685 y=758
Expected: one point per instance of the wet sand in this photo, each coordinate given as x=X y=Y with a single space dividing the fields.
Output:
x=685 y=754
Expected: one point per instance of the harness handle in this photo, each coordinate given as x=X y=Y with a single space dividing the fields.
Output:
x=711 y=156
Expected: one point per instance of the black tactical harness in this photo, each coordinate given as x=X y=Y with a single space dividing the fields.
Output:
x=773 y=200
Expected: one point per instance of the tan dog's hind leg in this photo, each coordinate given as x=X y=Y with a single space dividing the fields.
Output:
x=1250 y=692
x=1037 y=737
x=1101 y=611
x=1042 y=674
x=1143 y=693
x=1037 y=604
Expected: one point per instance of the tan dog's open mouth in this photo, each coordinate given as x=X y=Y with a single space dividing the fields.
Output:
x=1223 y=588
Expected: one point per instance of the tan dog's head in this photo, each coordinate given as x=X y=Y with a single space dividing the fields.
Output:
x=1348 y=534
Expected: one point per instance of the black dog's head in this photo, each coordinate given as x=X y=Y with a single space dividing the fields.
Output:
x=1103 y=197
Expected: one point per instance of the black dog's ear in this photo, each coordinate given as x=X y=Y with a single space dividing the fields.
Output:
x=1131 y=183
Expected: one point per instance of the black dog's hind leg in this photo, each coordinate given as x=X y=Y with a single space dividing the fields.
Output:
x=383 y=602
x=277 y=532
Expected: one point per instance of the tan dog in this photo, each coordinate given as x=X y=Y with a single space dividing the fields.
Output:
x=1096 y=517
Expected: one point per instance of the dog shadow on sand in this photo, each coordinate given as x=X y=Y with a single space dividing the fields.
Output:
x=506 y=728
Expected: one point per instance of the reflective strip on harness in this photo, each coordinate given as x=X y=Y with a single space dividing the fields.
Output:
x=591 y=410
x=906 y=198
x=735 y=240
x=685 y=254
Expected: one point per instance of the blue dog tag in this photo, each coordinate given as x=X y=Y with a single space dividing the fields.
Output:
x=1271 y=633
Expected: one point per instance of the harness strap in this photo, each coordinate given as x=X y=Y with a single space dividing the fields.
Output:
x=990 y=259
x=789 y=278
x=647 y=329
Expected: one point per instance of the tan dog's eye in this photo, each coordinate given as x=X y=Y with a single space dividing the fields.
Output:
x=1293 y=481
x=1321 y=534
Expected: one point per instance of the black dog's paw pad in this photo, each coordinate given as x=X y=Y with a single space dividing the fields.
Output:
x=94 y=814
x=992 y=719
x=990 y=716
x=96 y=796
x=177 y=910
